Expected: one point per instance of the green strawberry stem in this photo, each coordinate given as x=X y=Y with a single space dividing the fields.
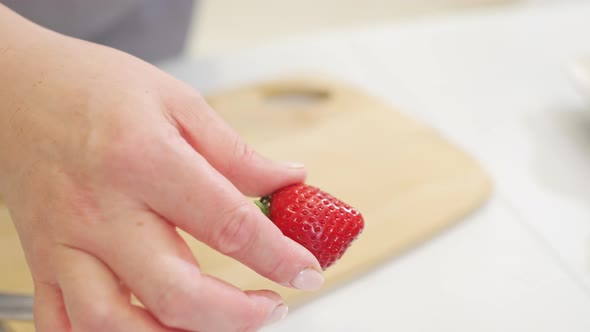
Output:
x=264 y=205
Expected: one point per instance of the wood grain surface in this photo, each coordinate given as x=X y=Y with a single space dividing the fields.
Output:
x=407 y=180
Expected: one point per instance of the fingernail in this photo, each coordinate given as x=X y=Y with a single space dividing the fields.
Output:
x=308 y=280
x=291 y=164
x=278 y=314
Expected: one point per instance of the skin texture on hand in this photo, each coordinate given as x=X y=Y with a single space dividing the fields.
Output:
x=102 y=158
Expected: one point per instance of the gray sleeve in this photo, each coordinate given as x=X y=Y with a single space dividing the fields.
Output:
x=150 y=29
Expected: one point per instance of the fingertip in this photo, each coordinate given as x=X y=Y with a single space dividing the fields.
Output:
x=294 y=172
x=277 y=315
x=265 y=297
x=309 y=275
x=288 y=168
x=308 y=280
x=269 y=175
x=304 y=254
x=291 y=165
x=273 y=305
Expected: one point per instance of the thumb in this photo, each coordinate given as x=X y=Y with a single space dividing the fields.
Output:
x=226 y=151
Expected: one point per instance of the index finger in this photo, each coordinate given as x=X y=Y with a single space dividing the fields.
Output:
x=197 y=198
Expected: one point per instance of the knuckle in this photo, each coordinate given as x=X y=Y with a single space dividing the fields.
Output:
x=277 y=270
x=251 y=327
x=195 y=97
x=236 y=232
x=117 y=155
x=117 y=149
x=186 y=100
x=243 y=151
x=96 y=317
x=252 y=323
x=172 y=305
x=242 y=155
x=185 y=108
x=252 y=319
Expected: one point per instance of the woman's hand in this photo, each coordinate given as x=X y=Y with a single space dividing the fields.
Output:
x=102 y=157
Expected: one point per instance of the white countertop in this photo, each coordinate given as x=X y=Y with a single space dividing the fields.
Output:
x=497 y=83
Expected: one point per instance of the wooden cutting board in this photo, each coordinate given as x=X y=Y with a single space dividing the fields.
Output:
x=407 y=180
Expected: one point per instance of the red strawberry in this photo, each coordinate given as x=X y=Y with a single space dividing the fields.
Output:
x=315 y=219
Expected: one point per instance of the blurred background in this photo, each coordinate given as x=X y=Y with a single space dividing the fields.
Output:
x=225 y=26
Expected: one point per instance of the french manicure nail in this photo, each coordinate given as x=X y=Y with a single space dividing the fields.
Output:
x=278 y=314
x=291 y=164
x=308 y=280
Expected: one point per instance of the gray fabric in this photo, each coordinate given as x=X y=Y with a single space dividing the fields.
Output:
x=150 y=29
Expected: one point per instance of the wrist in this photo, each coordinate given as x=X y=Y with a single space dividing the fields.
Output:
x=23 y=46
